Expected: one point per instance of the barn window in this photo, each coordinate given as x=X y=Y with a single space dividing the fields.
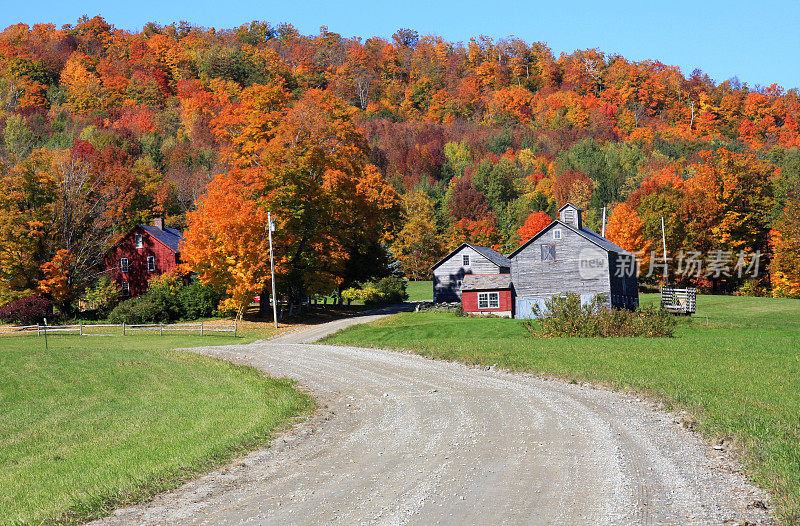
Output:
x=138 y=241
x=124 y=265
x=465 y=260
x=488 y=300
x=569 y=216
x=126 y=290
x=557 y=233
x=151 y=263
x=548 y=252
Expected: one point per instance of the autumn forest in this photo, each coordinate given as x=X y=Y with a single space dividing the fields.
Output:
x=375 y=156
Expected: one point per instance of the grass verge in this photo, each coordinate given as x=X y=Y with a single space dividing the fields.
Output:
x=99 y=422
x=420 y=290
x=735 y=365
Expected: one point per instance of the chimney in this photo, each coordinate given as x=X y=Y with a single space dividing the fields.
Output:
x=159 y=223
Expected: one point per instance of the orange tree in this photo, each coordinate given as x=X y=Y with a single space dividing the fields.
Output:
x=306 y=163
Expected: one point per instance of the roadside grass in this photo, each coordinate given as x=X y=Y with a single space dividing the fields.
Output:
x=735 y=366
x=420 y=290
x=99 y=422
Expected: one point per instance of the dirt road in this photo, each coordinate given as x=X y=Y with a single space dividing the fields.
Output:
x=406 y=440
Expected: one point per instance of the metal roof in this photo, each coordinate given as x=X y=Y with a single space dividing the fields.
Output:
x=489 y=253
x=169 y=236
x=584 y=232
x=486 y=282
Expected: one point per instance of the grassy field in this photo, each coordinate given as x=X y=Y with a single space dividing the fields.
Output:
x=420 y=290
x=96 y=422
x=735 y=365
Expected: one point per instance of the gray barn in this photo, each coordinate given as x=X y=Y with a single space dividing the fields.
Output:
x=449 y=272
x=568 y=257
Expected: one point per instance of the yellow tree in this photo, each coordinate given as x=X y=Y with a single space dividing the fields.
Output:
x=418 y=245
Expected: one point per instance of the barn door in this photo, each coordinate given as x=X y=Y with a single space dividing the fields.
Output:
x=525 y=307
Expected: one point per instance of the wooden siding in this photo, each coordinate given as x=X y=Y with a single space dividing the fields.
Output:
x=447 y=275
x=138 y=275
x=470 y=301
x=534 y=278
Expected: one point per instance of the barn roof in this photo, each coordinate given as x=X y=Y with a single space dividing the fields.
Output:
x=489 y=253
x=169 y=236
x=584 y=232
x=486 y=282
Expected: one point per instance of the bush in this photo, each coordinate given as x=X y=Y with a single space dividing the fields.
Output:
x=565 y=316
x=384 y=291
x=101 y=297
x=197 y=301
x=169 y=299
x=27 y=311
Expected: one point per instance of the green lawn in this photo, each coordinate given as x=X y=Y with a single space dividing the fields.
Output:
x=96 y=422
x=735 y=365
x=420 y=290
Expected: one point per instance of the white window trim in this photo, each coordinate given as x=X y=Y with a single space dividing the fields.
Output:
x=488 y=300
x=124 y=265
x=138 y=240
x=126 y=289
x=464 y=260
x=151 y=260
x=557 y=233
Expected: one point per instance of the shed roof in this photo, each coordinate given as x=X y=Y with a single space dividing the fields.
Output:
x=486 y=282
x=171 y=237
x=489 y=253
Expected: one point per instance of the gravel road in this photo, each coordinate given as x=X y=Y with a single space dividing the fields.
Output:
x=400 y=439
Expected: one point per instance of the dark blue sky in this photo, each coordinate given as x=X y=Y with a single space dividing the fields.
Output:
x=757 y=41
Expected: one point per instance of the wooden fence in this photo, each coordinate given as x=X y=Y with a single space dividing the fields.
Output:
x=88 y=329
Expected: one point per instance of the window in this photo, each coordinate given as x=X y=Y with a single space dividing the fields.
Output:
x=548 y=252
x=488 y=300
x=557 y=233
x=465 y=260
x=124 y=265
x=569 y=216
x=126 y=290
x=151 y=263
x=138 y=241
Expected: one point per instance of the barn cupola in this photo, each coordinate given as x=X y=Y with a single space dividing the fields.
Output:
x=571 y=215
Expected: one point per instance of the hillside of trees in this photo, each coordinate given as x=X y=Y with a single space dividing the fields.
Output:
x=374 y=156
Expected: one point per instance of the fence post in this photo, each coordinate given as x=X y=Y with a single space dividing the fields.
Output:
x=38 y=330
x=236 y=328
x=201 y=328
x=81 y=328
x=123 y=328
x=161 y=328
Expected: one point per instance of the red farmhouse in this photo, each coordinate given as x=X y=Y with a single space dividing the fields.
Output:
x=487 y=294
x=143 y=253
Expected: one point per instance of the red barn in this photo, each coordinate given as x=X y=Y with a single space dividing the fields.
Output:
x=143 y=253
x=487 y=294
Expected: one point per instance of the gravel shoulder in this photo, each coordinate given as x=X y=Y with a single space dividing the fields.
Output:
x=401 y=439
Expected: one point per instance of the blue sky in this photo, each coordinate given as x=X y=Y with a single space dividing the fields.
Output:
x=757 y=41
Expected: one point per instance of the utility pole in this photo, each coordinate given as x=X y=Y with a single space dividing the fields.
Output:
x=603 y=232
x=664 y=244
x=271 y=227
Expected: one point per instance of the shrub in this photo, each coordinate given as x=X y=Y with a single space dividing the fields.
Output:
x=386 y=290
x=197 y=301
x=27 y=310
x=101 y=297
x=565 y=316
